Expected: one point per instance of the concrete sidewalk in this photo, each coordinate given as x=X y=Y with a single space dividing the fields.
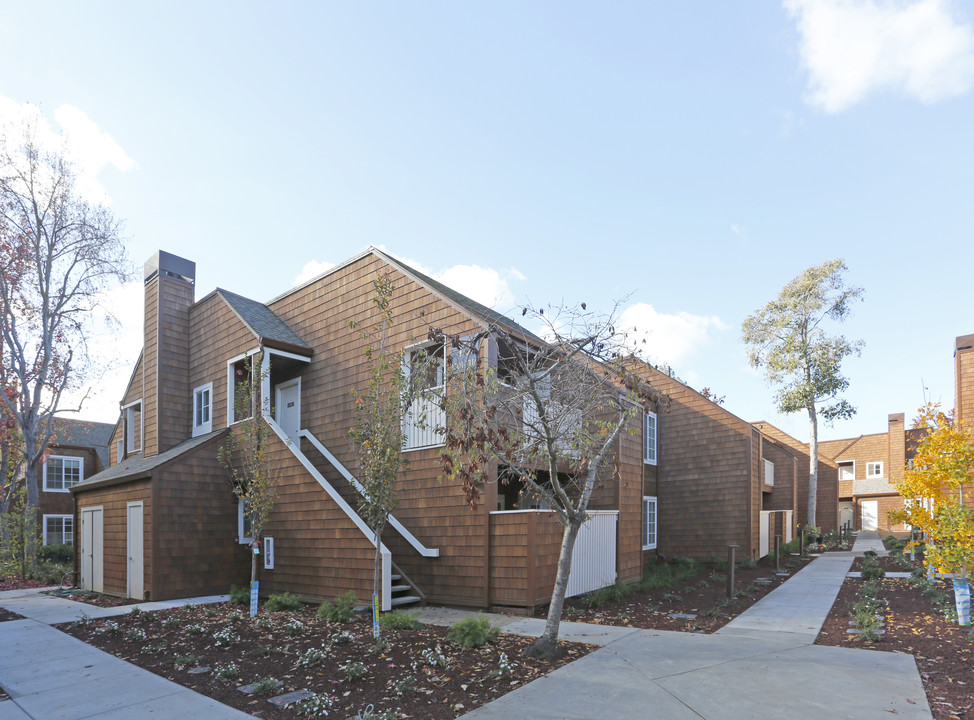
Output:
x=764 y=665
x=52 y=676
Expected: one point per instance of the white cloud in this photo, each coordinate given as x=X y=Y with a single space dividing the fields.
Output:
x=851 y=48
x=738 y=230
x=669 y=339
x=485 y=285
x=311 y=270
x=90 y=149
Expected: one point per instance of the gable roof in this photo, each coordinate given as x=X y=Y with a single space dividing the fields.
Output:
x=69 y=432
x=139 y=466
x=263 y=323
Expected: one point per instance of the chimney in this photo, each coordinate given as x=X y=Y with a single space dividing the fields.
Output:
x=964 y=378
x=166 y=404
x=897 y=447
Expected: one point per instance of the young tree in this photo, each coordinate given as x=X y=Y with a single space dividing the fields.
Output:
x=788 y=339
x=934 y=486
x=248 y=456
x=548 y=413
x=58 y=251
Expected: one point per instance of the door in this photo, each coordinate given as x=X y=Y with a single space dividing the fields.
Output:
x=93 y=549
x=870 y=514
x=134 y=548
x=845 y=514
x=288 y=410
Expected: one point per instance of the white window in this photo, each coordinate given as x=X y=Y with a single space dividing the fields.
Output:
x=268 y=553
x=874 y=469
x=424 y=419
x=240 y=406
x=119 y=451
x=769 y=473
x=847 y=470
x=649 y=427
x=132 y=417
x=649 y=523
x=203 y=409
x=244 y=533
x=59 y=530
x=61 y=473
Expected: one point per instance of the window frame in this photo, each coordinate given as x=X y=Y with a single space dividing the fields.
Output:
x=647 y=500
x=241 y=519
x=64 y=533
x=128 y=426
x=64 y=488
x=872 y=464
x=201 y=427
x=646 y=436
x=847 y=462
x=422 y=395
x=232 y=387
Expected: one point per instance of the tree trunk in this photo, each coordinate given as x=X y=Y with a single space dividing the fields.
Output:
x=812 y=466
x=546 y=646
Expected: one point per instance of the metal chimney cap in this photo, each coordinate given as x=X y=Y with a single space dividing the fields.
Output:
x=171 y=266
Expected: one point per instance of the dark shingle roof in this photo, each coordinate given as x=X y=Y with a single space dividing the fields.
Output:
x=137 y=466
x=84 y=433
x=492 y=317
x=261 y=320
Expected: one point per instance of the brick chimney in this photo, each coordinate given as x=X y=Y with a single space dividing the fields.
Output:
x=167 y=405
x=897 y=447
x=964 y=378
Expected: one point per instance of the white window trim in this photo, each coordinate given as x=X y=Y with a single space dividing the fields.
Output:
x=243 y=539
x=44 y=520
x=231 y=387
x=127 y=427
x=268 y=553
x=407 y=352
x=875 y=475
x=202 y=428
x=768 y=472
x=647 y=499
x=650 y=460
x=120 y=449
x=81 y=472
x=846 y=462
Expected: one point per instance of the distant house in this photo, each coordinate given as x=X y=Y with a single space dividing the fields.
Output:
x=161 y=521
x=78 y=449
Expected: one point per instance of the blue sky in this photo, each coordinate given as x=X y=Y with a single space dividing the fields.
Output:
x=690 y=157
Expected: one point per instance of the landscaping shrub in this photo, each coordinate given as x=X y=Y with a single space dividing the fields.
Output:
x=400 y=620
x=473 y=632
x=658 y=574
x=285 y=602
x=59 y=553
x=239 y=595
x=340 y=611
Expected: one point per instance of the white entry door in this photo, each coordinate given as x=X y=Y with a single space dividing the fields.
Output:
x=845 y=514
x=870 y=514
x=93 y=549
x=135 y=573
x=288 y=414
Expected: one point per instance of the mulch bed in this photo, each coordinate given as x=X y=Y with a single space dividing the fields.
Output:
x=6 y=615
x=704 y=597
x=15 y=582
x=943 y=650
x=889 y=564
x=92 y=598
x=271 y=646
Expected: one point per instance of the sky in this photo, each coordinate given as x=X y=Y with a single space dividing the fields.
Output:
x=685 y=160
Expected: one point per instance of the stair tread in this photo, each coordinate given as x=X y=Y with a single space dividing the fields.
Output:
x=405 y=600
x=400 y=588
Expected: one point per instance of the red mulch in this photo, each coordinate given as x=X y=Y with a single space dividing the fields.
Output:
x=6 y=615
x=92 y=598
x=15 y=582
x=704 y=597
x=272 y=646
x=943 y=650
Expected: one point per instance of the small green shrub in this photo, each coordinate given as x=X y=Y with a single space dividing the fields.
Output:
x=400 y=620
x=473 y=632
x=266 y=686
x=182 y=661
x=354 y=670
x=239 y=595
x=311 y=657
x=406 y=685
x=748 y=563
x=285 y=602
x=226 y=671
x=341 y=611
x=57 y=553
x=169 y=623
x=135 y=635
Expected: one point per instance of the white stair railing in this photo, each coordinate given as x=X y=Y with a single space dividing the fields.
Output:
x=409 y=537
x=348 y=510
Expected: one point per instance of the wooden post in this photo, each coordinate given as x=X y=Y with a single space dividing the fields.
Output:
x=777 y=553
x=802 y=548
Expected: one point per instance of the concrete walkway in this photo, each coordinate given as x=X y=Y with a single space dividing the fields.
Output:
x=764 y=665
x=52 y=676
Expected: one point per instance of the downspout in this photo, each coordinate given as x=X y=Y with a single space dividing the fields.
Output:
x=750 y=488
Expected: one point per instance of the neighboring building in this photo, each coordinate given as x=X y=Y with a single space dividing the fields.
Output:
x=726 y=481
x=161 y=522
x=77 y=449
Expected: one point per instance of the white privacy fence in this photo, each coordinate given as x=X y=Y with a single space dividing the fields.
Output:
x=768 y=529
x=594 y=557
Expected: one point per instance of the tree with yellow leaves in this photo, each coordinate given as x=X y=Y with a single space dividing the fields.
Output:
x=936 y=487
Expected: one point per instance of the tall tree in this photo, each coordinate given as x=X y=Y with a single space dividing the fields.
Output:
x=788 y=338
x=548 y=414
x=58 y=252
